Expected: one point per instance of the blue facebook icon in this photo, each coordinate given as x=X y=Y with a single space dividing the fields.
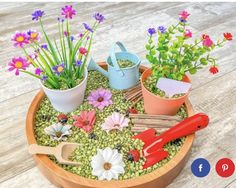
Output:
x=200 y=167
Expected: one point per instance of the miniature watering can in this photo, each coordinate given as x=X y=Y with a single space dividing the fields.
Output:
x=119 y=78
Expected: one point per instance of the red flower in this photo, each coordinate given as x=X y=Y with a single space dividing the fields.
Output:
x=85 y=121
x=228 y=36
x=214 y=70
x=82 y=50
x=204 y=36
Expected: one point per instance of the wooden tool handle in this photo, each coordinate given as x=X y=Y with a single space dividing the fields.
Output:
x=36 y=149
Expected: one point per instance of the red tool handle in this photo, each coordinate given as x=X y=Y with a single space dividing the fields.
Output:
x=184 y=128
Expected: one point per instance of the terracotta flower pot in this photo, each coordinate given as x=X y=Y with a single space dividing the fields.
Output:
x=154 y=104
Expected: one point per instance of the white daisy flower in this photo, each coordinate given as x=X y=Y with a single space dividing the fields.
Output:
x=58 y=131
x=107 y=164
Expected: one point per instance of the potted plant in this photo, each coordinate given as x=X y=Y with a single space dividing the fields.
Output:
x=172 y=55
x=59 y=65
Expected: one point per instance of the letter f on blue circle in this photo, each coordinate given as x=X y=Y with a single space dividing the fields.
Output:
x=200 y=167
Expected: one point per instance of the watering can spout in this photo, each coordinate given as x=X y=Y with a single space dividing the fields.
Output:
x=94 y=66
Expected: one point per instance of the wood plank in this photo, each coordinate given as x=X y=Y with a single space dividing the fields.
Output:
x=31 y=178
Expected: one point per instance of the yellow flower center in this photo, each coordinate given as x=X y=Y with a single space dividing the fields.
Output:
x=18 y=64
x=20 y=39
x=107 y=166
x=60 y=69
x=33 y=35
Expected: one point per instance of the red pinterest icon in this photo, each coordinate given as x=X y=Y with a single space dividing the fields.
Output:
x=225 y=167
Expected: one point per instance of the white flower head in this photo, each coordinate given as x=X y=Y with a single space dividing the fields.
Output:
x=107 y=164
x=115 y=121
x=58 y=131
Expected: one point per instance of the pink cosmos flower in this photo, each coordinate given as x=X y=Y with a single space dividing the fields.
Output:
x=188 y=33
x=184 y=15
x=33 y=35
x=17 y=64
x=115 y=121
x=20 y=39
x=100 y=98
x=68 y=12
x=85 y=120
x=207 y=42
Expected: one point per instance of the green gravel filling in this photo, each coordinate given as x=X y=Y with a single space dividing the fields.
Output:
x=124 y=63
x=150 y=84
x=46 y=116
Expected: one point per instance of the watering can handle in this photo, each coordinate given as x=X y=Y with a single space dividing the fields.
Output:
x=113 y=52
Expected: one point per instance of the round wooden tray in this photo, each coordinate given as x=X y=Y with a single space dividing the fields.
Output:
x=160 y=177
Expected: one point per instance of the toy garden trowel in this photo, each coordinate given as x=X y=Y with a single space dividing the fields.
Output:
x=153 y=145
x=62 y=152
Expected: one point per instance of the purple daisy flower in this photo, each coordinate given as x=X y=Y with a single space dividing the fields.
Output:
x=151 y=31
x=162 y=29
x=87 y=27
x=58 y=69
x=68 y=12
x=44 y=46
x=20 y=39
x=99 y=17
x=44 y=78
x=78 y=63
x=18 y=64
x=37 y=14
x=38 y=71
x=100 y=98
x=33 y=35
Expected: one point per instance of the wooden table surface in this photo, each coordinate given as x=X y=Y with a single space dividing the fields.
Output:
x=126 y=22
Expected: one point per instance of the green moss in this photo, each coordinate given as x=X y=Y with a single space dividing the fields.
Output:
x=46 y=116
x=150 y=84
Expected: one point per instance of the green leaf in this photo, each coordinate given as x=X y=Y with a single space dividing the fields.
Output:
x=193 y=70
x=150 y=40
x=153 y=52
x=203 y=61
x=147 y=46
x=180 y=29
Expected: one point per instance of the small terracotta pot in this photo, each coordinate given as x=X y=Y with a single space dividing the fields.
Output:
x=154 y=104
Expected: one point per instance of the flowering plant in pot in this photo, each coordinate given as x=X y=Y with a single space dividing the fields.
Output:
x=59 y=65
x=172 y=56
